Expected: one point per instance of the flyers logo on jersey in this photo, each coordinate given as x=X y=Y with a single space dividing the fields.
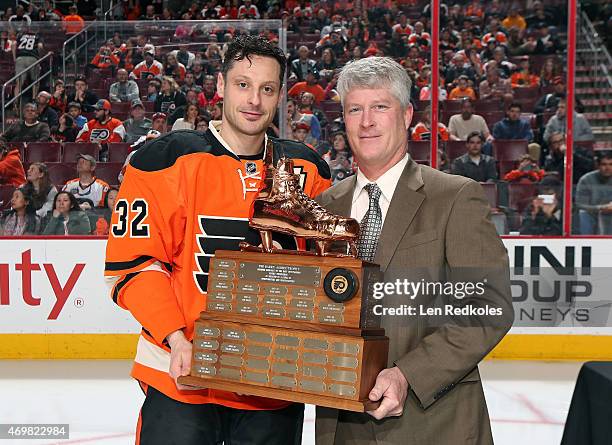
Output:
x=99 y=134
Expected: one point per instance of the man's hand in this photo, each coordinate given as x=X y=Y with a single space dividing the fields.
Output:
x=392 y=387
x=180 y=357
x=607 y=208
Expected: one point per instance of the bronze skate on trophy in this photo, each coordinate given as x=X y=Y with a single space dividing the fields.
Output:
x=291 y=325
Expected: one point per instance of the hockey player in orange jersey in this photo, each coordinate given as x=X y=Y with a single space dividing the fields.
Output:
x=185 y=195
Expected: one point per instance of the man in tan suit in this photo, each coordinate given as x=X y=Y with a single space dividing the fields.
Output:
x=416 y=222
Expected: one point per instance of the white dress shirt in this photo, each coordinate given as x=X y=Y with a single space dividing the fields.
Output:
x=387 y=183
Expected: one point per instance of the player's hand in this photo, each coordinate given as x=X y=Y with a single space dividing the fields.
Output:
x=391 y=389
x=180 y=357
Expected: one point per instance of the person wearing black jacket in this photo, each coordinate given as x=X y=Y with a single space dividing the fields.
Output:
x=82 y=95
x=170 y=96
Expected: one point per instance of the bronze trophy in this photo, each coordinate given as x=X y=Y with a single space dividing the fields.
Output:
x=291 y=325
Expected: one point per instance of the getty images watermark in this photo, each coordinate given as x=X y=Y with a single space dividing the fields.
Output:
x=466 y=294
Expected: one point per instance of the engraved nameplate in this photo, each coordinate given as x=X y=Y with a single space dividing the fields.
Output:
x=221 y=285
x=281 y=380
x=222 y=274
x=247 y=309
x=248 y=287
x=302 y=304
x=331 y=318
x=313 y=343
x=274 y=301
x=209 y=332
x=247 y=299
x=311 y=357
x=280 y=273
x=260 y=337
x=288 y=354
x=343 y=376
x=314 y=371
x=231 y=360
x=331 y=307
x=206 y=370
x=345 y=362
x=287 y=340
x=342 y=390
x=346 y=348
x=273 y=312
x=233 y=334
x=258 y=364
x=303 y=292
x=275 y=290
x=301 y=315
x=232 y=348
x=216 y=306
x=223 y=264
x=258 y=351
x=220 y=296
x=312 y=385
x=208 y=344
x=206 y=357
x=285 y=368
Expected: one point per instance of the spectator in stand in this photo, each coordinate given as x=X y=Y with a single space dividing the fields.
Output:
x=501 y=62
x=523 y=77
x=46 y=114
x=517 y=46
x=549 y=101
x=310 y=85
x=192 y=98
x=67 y=217
x=27 y=49
x=327 y=65
x=104 y=214
x=149 y=14
x=463 y=89
x=148 y=68
x=66 y=130
x=73 y=22
x=422 y=130
x=546 y=43
x=307 y=106
x=21 y=219
x=87 y=8
x=11 y=168
x=556 y=124
x=458 y=67
x=528 y=171
x=419 y=37
x=58 y=99
x=174 y=68
x=594 y=198
x=320 y=22
x=402 y=27
x=74 y=110
x=303 y=64
x=40 y=189
x=198 y=72
x=88 y=190
x=137 y=125
x=301 y=129
x=209 y=97
x=160 y=123
x=550 y=71
x=495 y=88
x=20 y=17
x=543 y=215
x=514 y=19
x=30 y=129
x=335 y=41
x=153 y=88
x=82 y=95
x=463 y=124
x=555 y=160
x=125 y=89
x=105 y=58
x=513 y=126
x=248 y=10
x=184 y=56
x=494 y=33
x=169 y=97
x=189 y=84
x=340 y=158
x=192 y=111
x=217 y=111
x=103 y=128
x=539 y=16
x=474 y=163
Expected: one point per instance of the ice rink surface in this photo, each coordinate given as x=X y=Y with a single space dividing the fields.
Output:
x=528 y=401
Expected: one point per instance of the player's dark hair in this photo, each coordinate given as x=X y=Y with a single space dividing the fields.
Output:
x=243 y=47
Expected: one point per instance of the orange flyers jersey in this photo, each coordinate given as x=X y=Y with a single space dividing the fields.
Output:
x=95 y=131
x=142 y=71
x=185 y=195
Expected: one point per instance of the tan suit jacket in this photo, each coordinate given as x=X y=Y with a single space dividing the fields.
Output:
x=436 y=225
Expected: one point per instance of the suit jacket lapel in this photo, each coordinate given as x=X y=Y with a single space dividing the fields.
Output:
x=342 y=197
x=404 y=206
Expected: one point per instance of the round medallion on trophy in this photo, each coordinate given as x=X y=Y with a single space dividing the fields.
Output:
x=340 y=284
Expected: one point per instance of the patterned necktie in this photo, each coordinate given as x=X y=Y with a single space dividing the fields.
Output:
x=370 y=226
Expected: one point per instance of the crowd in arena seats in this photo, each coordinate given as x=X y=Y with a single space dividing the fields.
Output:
x=502 y=94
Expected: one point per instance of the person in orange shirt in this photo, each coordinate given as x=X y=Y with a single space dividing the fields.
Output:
x=523 y=77
x=462 y=89
x=73 y=22
x=422 y=130
x=514 y=19
x=310 y=85
x=105 y=58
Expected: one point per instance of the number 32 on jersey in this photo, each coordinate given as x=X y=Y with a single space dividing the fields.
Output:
x=130 y=219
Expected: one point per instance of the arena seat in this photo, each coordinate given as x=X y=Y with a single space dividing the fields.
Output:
x=109 y=171
x=454 y=149
x=72 y=149
x=419 y=150
x=60 y=172
x=43 y=152
x=120 y=107
x=506 y=167
x=118 y=151
x=526 y=93
x=509 y=150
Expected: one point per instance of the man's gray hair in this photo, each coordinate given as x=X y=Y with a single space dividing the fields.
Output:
x=376 y=73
